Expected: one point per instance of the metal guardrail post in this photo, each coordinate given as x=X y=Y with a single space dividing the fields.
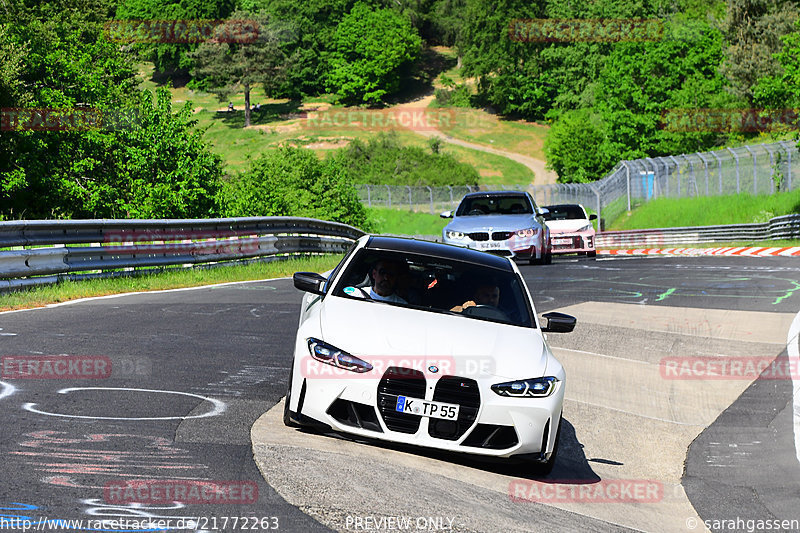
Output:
x=628 y=183
x=678 y=175
x=755 y=172
x=719 y=170
x=389 y=190
x=771 y=169
x=369 y=197
x=736 y=157
x=705 y=167
x=789 y=148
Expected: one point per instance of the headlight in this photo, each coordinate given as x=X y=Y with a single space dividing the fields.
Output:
x=527 y=388
x=455 y=235
x=331 y=355
x=585 y=228
x=527 y=232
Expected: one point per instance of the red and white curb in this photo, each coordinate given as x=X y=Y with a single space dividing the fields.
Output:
x=750 y=251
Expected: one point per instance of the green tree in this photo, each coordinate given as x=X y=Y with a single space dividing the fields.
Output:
x=782 y=90
x=229 y=67
x=753 y=31
x=294 y=182
x=169 y=56
x=371 y=49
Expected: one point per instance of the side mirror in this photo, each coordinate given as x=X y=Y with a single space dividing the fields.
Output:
x=446 y=214
x=309 y=282
x=559 y=322
x=593 y=217
x=544 y=211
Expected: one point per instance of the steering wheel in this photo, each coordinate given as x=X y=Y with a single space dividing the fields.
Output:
x=485 y=311
x=476 y=212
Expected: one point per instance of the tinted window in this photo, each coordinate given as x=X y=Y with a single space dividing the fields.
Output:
x=439 y=285
x=494 y=205
x=564 y=212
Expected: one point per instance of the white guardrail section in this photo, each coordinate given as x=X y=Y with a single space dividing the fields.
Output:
x=785 y=227
x=38 y=252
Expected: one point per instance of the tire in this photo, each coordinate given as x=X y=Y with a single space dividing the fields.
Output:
x=544 y=469
x=287 y=415
x=592 y=254
x=548 y=258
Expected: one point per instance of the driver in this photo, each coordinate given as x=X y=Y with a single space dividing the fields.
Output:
x=485 y=294
x=385 y=274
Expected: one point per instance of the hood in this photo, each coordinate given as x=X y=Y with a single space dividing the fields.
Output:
x=562 y=226
x=469 y=224
x=386 y=335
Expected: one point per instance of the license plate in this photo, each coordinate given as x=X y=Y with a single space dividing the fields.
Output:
x=491 y=245
x=561 y=242
x=415 y=406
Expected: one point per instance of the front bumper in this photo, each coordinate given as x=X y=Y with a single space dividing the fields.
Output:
x=501 y=243
x=488 y=424
x=571 y=243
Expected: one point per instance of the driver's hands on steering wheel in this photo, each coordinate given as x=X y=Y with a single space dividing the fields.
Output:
x=465 y=305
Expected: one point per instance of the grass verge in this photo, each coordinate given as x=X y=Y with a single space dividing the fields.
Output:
x=404 y=222
x=73 y=290
x=708 y=211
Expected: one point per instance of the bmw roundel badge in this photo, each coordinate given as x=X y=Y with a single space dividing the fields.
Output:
x=433 y=369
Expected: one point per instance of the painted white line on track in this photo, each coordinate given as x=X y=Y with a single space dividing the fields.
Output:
x=793 y=351
x=6 y=389
x=108 y=296
x=219 y=406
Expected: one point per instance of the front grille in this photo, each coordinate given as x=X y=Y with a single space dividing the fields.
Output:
x=479 y=236
x=502 y=235
x=492 y=437
x=397 y=381
x=461 y=391
x=575 y=242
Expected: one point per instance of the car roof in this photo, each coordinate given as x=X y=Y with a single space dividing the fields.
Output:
x=556 y=206
x=495 y=193
x=435 y=249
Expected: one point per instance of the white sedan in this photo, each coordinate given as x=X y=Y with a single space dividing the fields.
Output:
x=430 y=345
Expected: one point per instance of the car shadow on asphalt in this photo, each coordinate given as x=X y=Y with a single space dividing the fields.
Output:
x=572 y=466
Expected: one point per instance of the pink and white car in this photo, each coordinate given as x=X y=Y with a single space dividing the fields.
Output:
x=571 y=230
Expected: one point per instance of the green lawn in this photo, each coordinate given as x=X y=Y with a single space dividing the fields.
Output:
x=707 y=211
x=405 y=222
x=68 y=290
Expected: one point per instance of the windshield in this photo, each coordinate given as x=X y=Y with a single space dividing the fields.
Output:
x=494 y=205
x=436 y=285
x=564 y=212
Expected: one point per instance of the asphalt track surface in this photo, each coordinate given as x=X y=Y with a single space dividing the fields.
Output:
x=194 y=369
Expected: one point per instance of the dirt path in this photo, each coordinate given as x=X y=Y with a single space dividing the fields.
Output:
x=542 y=176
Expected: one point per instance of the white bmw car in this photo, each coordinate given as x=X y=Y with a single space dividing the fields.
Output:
x=454 y=359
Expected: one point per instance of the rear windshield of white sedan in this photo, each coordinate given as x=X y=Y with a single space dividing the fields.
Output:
x=438 y=286
x=494 y=205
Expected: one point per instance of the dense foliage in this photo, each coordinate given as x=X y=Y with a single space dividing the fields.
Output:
x=383 y=160
x=371 y=50
x=294 y=182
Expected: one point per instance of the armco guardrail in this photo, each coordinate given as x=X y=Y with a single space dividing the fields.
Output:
x=38 y=252
x=784 y=227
